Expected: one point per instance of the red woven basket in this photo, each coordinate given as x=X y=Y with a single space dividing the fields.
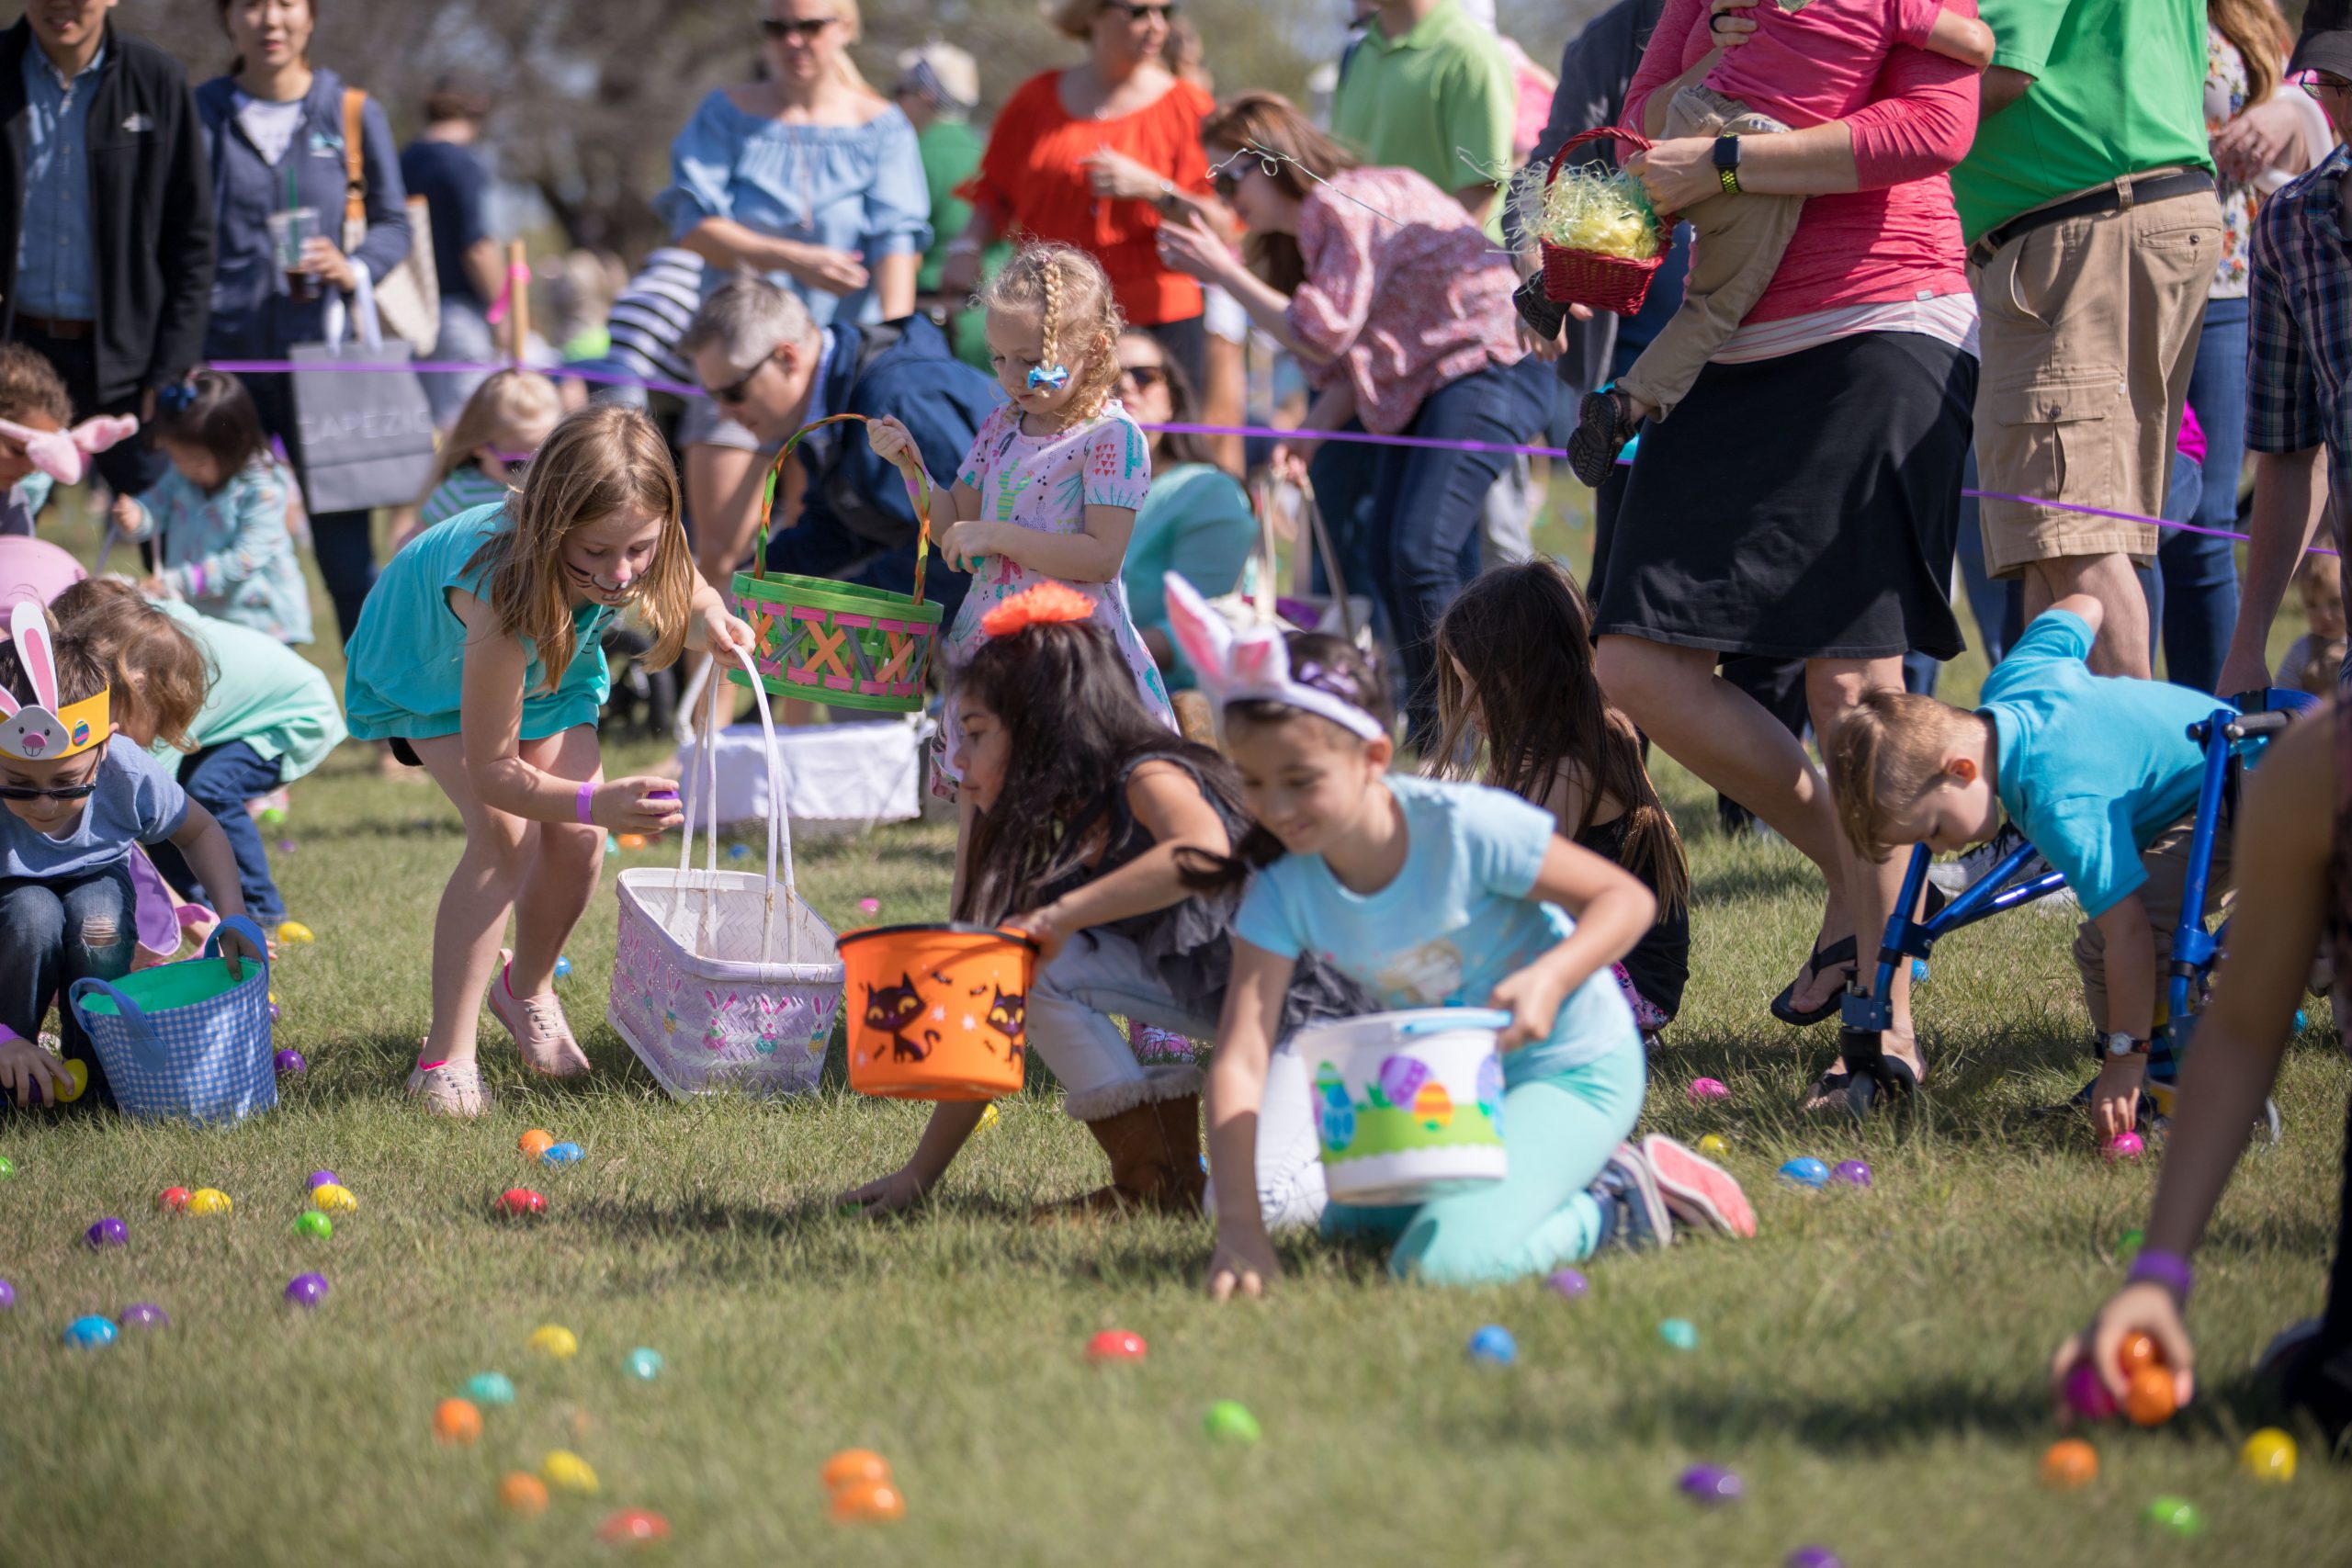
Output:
x=1598 y=282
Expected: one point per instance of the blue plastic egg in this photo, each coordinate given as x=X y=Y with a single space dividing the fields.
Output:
x=563 y=968
x=642 y=1364
x=491 y=1388
x=1681 y=1333
x=1918 y=971
x=89 y=1332
x=1806 y=1172
x=562 y=1154
x=1493 y=1346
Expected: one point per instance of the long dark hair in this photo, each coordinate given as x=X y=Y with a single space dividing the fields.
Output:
x=1515 y=664
x=1073 y=727
x=1180 y=445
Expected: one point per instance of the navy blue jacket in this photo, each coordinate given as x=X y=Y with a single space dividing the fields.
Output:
x=252 y=314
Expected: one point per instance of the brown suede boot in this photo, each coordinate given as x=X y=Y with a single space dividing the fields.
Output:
x=1154 y=1151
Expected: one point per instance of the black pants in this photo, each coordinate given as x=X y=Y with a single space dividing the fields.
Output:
x=131 y=468
x=341 y=540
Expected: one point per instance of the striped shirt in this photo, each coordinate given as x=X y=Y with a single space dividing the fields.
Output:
x=2300 y=326
x=1950 y=318
x=652 y=314
x=465 y=488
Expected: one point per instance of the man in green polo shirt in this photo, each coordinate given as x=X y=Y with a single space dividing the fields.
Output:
x=1429 y=89
x=2093 y=233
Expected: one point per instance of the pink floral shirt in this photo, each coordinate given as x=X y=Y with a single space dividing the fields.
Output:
x=1400 y=299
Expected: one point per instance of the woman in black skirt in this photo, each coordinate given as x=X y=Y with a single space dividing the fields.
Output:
x=1801 y=501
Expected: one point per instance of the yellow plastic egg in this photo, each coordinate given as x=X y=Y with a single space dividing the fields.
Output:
x=208 y=1201
x=2269 y=1456
x=332 y=1198
x=988 y=1118
x=77 y=1079
x=554 y=1339
x=567 y=1471
x=294 y=933
x=1712 y=1146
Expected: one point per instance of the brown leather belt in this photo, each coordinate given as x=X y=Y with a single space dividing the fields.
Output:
x=2137 y=191
x=66 y=331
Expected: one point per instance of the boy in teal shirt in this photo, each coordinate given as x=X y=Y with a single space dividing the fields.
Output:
x=2098 y=774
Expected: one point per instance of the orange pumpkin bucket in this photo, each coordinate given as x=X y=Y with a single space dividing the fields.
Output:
x=937 y=1011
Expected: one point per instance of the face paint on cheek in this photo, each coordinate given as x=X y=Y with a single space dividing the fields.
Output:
x=593 y=583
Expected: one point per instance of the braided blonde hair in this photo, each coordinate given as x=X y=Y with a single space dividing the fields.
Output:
x=1080 y=320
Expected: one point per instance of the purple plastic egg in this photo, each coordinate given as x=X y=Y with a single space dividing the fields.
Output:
x=272 y=1013
x=1711 y=1484
x=1852 y=1172
x=144 y=1315
x=307 y=1289
x=7 y=1296
x=1708 y=1088
x=290 y=1061
x=319 y=1178
x=108 y=1232
x=1813 y=1557
x=1401 y=1079
x=1569 y=1283
x=2086 y=1395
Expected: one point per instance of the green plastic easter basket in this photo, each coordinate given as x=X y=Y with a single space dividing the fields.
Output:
x=840 y=643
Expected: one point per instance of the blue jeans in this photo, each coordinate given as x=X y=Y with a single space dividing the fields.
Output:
x=1999 y=607
x=1410 y=515
x=221 y=779
x=2195 y=598
x=53 y=934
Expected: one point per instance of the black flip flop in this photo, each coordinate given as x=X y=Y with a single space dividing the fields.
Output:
x=1839 y=955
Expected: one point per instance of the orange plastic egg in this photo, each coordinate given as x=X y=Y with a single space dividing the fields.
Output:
x=2136 y=1351
x=456 y=1421
x=632 y=841
x=2148 y=1397
x=2069 y=1464
x=524 y=1493
x=854 y=1467
x=866 y=1503
x=535 y=1142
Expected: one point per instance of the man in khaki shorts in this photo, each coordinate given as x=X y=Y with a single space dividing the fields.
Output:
x=2093 y=233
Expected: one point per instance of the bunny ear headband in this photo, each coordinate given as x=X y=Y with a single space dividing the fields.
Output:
x=1253 y=666
x=62 y=454
x=41 y=731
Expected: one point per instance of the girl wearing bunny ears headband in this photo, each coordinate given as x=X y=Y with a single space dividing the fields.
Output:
x=44 y=729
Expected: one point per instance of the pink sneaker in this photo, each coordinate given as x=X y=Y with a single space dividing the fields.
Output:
x=449 y=1088
x=1700 y=1191
x=537 y=1025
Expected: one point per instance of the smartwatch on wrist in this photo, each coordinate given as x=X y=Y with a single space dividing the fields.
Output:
x=2123 y=1044
x=1727 y=164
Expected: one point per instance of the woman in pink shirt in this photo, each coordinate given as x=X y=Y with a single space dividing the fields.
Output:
x=1399 y=308
x=1802 y=501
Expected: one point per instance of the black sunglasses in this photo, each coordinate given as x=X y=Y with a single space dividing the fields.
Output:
x=1225 y=183
x=59 y=792
x=1165 y=13
x=1145 y=376
x=2319 y=83
x=735 y=391
x=780 y=28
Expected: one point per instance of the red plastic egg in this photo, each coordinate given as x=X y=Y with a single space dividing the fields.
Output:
x=521 y=1203
x=633 y=1527
x=173 y=1199
x=1115 y=1345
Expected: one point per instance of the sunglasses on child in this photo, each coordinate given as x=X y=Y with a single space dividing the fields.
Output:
x=781 y=27
x=55 y=792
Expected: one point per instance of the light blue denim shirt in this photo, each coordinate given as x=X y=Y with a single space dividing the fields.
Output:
x=55 y=258
x=848 y=188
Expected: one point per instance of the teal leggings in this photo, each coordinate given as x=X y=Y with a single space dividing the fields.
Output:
x=1560 y=1131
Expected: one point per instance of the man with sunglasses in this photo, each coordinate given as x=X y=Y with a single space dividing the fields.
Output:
x=840 y=512
x=2298 y=404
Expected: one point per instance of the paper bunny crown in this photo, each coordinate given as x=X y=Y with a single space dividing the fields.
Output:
x=62 y=455
x=41 y=731
x=1253 y=666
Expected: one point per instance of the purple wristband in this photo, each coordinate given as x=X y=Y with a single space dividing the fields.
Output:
x=586 y=791
x=2167 y=1269
x=195 y=582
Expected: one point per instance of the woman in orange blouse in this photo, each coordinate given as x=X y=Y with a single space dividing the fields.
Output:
x=1096 y=156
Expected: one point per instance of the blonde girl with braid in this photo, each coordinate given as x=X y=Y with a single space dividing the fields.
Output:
x=1049 y=491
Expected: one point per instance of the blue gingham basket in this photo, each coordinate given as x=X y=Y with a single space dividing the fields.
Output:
x=186 y=1039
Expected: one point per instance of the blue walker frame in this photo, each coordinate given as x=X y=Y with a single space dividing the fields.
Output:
x=2233 y=737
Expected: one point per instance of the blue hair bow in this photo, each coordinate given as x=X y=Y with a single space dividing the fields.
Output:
x=1054 y=377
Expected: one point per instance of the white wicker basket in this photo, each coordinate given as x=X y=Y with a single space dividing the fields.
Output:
x=725 y=979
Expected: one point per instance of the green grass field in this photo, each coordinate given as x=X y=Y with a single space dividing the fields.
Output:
x=1871 y=1364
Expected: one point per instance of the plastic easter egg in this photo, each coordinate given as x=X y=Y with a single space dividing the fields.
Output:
x=868 y=1503
x=1115 y=1345
x=491 y=1388
x=524 y=1495
x=1805 y=1171
x=2137 y=1350
x=988 y=1117
x=536 y=1142
x=1401 y=1079
x=562 y=967
x=2177 y=1515
x=1711 y=1484
x=2086 y=1396
x=561 y=1154
x=273 y=817
x=743 y=852
x=1433 y=1107
x=643 y=1364
x=1813 y=1557
x=854 y=1467
x=2124 y=1146
x=567 y=1471
x=1569 y=1283
x=633 y=1527
x=632 y=841
x=2148 y=1397
x=307 y=1289
x=1708 y=1088
x=1918 y=971
x=108 y=1232
x=294 y=933
x=313 y=1225
x=1681 y=1333
x=8 y=1168
x=285 y=846
x=272 y=1013
x=869 y=906
x=335 y=1198
x=1714 y=1146
x=289 y=1062
x=77 y=1079
x=2269 y=1456
x=554 y=1339
x=2069 y=1464
x=7 y=1296
x=521 y=1203
x=1852 y=1173
x=456 y=1422
x=319 y=1178
x=145 y=1314
x=209 y=1200
x=90 y=1333
x=2128 y=1244
x=1230 y=1422
x=1493 y=1346
x=173 y=1199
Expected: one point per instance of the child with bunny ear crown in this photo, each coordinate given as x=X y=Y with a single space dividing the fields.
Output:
x=1427 y=894
x=75 y=805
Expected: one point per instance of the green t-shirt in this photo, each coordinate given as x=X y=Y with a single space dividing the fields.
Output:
x=2118 y=88
x=263 y=693
x=950 y=149
x=1439 y=101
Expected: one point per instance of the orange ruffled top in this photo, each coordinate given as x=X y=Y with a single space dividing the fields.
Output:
x=1032 y=179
